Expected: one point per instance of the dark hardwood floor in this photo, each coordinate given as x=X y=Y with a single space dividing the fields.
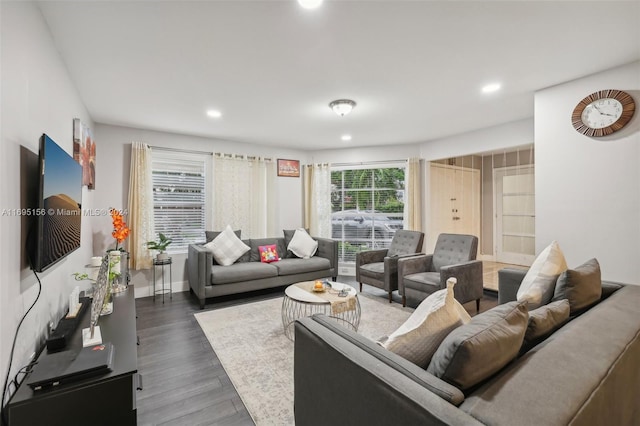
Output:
x=184 y=383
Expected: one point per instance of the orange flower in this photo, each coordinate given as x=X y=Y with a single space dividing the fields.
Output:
x=120 y=229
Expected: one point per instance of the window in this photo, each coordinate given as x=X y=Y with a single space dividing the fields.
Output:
x=179 y=197
x=367 y=208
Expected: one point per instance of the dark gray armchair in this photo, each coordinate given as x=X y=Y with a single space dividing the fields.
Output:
x=453 y=256
x=379 y=268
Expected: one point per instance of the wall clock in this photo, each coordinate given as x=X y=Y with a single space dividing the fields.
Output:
x=603 y=112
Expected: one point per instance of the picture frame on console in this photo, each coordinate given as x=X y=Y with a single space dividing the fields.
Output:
x=288 y=168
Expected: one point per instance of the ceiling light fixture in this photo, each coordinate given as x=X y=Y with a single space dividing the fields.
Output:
x=346 y=138
x=342 y=107
x=214 y=113
x=491 y=88
x=310 y=4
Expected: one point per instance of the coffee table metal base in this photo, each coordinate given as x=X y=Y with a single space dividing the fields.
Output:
x=293 y=309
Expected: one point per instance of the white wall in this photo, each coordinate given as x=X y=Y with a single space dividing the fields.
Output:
x=112 y=186
x=37 y=96
x=363 y=155
x=495 y=138
x=588 y=189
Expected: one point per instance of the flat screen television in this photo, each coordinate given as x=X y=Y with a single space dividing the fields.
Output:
x=59 y=206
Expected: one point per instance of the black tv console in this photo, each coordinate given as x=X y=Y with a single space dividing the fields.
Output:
x=102 y=400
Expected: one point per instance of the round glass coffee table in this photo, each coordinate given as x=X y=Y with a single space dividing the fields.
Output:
x=299 y=301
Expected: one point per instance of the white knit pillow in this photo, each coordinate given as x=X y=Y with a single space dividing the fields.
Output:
x=539 y=283
x=420 y=336
x=302 y=245
x=227 y=247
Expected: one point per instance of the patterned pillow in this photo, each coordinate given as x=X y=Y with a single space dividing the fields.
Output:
x=268 y=253
x=302 y=245
x=227 y=247
x=211 y=235
x=419 y=337
x=539 y=283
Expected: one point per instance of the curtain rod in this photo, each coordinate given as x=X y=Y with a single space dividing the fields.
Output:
x=190 y=151
x=366 y=163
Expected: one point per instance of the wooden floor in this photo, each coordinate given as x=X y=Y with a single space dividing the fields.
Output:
x=490 y=273
x=184 y=383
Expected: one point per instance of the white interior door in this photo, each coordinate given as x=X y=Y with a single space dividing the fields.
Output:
x=454 y=202
x=515 y=215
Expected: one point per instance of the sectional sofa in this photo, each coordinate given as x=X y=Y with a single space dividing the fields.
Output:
x=586 y=373
x=208 y=279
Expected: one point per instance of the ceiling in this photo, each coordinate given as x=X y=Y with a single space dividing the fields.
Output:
x=415 y=68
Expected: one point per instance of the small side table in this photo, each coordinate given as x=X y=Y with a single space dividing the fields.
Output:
x=163 y=290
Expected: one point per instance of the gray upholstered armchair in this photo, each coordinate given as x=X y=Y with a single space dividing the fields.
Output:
x=379 y=268
x=453 y=256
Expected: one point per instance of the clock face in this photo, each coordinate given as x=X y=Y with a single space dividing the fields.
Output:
x=602 y=113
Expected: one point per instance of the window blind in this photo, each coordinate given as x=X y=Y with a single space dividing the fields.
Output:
x=179 y=197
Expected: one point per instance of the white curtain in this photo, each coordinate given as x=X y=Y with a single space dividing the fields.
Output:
x=244 y=195
x=140 y=206
x=317 y=199
x=413 y=195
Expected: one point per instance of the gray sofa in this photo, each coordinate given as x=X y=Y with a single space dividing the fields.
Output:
x=208 y=279
x=585 y=373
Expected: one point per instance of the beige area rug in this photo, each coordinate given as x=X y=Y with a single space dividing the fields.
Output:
x=251 y=345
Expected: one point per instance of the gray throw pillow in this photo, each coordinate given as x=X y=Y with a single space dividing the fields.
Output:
x=582 y=286
x=210 y=235
x=544 y=321
x=475 y=351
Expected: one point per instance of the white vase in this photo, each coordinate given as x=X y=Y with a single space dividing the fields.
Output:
x=162 y=256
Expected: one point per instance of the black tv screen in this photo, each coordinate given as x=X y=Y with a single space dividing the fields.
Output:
x=59 y=209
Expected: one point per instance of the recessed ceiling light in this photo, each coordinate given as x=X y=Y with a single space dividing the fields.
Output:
x=491 y=88
x=346 y=138
x=310 y=4
x=214 y=113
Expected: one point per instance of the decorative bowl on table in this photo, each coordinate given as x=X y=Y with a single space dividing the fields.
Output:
x=318 y=286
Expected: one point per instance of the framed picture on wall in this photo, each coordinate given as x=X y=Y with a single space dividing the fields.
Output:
x=84 y=152
x=288 y=168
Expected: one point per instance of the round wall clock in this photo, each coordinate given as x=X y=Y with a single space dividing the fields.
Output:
x=603 y=112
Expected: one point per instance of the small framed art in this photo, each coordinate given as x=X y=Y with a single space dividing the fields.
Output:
x=288 y=168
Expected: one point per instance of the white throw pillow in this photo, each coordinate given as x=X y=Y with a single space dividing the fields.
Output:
x=302 y=245
x=539 y=283
x=227 y=247
x=420 y=336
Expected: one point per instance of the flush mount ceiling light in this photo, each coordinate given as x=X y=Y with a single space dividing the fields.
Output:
x=346 y=138
x=214 y=113
x=310 y=4
x=491 y=88
x=342 y=107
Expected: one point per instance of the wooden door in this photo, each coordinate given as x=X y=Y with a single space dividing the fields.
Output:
x=454 y=202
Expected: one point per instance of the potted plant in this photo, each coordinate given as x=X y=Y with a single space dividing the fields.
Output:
x=161 y=245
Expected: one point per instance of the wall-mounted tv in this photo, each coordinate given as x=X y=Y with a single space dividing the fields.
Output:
x=59 y=209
